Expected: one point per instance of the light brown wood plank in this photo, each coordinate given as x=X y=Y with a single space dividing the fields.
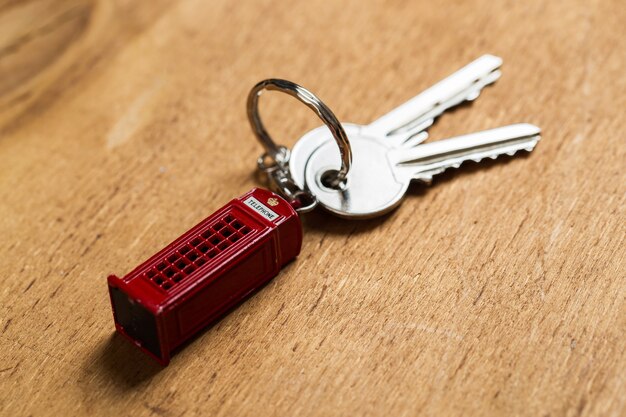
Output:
x=499 y=290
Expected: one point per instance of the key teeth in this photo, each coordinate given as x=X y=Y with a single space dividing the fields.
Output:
x=429 y=179
x=473 y=95
x=492 y=157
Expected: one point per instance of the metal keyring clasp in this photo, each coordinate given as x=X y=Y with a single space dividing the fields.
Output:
x=280 y=154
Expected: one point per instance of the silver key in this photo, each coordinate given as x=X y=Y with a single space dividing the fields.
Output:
x=404 y=126
x=380 y=173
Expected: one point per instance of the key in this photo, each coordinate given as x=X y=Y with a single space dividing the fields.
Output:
x=419 y=113
x=381 y=173
x=405 y=125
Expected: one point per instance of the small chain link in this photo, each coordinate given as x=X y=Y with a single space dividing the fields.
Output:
x=278 y=174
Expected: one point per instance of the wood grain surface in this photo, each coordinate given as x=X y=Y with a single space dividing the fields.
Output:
x=499 y=290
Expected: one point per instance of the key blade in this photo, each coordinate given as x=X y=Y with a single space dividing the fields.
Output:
x=424 y=161
x=464 y=84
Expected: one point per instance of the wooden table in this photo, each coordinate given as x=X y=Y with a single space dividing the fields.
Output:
x=500 y=290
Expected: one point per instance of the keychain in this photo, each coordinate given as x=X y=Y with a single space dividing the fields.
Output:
x=350 y=170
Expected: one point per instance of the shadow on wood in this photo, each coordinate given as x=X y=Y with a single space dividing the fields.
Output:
x=119 y=364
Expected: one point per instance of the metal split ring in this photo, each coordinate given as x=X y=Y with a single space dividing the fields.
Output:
x=280 y=154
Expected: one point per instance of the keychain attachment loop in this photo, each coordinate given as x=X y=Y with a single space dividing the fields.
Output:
x=280 y=154
x=301 y=200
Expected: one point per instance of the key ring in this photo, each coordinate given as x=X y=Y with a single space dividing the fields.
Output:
x=280 y=154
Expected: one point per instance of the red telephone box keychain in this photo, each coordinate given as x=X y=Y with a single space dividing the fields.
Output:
x=218 y=263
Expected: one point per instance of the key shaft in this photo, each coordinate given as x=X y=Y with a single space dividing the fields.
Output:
x=421 y=110
x=424 y=161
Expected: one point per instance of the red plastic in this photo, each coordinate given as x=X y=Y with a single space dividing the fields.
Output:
x=205 y=272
